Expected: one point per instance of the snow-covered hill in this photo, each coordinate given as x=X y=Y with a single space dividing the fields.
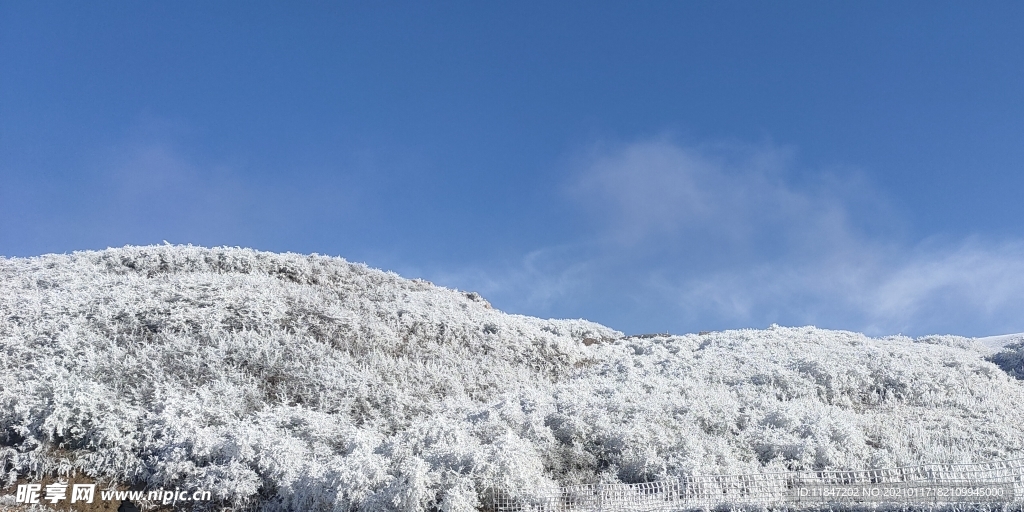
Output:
x=292 y=382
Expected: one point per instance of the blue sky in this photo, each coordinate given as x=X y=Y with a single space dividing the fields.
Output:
x=655 y=166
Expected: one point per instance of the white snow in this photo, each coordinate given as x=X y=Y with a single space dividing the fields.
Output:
x=993 y=344
x=291 y=382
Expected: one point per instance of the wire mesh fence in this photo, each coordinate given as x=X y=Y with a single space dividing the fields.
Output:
x=998 y=483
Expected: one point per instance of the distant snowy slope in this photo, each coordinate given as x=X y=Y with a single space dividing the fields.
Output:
x=1006 y=351
x=292 y=382
x=993 y=344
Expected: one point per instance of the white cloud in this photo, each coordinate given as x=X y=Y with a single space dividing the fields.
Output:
x=941 y=285
x=659 y=188
x=730 y=236
x=539 y=281
x=146 y=191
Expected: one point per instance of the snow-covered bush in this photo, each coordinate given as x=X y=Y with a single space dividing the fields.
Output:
x=291 y=382
x=1011 y=359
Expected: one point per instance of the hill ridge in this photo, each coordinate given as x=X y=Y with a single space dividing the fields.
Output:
x=287 y=381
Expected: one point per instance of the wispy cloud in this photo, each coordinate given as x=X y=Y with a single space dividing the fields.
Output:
x=690 y=238
x=154 y=181
x=969 y=282
x=152 y=188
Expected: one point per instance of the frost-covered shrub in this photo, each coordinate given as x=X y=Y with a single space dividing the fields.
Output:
x=1011 y=359
x=289 y=382
x=285 y=381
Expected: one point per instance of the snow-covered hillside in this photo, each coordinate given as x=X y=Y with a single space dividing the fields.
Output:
x=292 y=382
